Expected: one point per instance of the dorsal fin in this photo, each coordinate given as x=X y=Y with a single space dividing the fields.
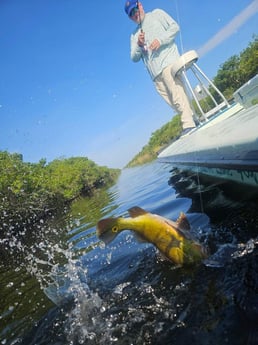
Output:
x=136 y=211
x=182 y=222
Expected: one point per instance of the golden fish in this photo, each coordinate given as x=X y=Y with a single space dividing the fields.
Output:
x=173 y=239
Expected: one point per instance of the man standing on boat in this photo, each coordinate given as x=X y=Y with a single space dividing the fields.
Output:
x=153 y=41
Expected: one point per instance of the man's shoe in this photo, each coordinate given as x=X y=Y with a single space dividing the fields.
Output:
x=186 y=130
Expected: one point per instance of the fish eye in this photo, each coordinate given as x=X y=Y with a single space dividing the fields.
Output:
x=115 y=229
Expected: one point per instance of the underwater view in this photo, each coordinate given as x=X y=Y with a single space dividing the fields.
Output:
x=60 y=284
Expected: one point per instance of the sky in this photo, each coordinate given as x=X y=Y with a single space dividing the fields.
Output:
x=68 y=87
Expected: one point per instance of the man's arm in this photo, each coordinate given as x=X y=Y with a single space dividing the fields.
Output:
x=171 y=28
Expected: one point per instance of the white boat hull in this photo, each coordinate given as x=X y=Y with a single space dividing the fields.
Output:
x=225 y=147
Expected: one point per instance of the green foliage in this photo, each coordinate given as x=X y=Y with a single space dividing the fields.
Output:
x=238 y=69
x=73 y=176
x=160 y=138
x=28 y=191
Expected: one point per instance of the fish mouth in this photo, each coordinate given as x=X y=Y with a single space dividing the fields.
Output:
x=107 y=237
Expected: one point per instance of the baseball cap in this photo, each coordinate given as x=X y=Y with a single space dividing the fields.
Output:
x=129 y=5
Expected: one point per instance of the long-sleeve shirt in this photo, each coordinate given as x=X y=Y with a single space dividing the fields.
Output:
x=156 y=25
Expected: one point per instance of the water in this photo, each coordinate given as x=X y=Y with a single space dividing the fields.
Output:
x=61 y=285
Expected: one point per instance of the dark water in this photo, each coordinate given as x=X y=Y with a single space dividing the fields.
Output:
x=62 y=286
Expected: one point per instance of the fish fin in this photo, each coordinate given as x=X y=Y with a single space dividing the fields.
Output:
x=136 y=211
x=183 y=223
x=105 y=229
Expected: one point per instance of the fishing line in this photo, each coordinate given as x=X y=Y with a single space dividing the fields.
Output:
x=199 y=183
x=195 y=152
x=180 y=32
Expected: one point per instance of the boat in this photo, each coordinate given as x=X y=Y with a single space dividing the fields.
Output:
x=224 y=147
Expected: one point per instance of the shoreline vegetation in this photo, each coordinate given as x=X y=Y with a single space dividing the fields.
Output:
x=32 y=191
x=232 y=74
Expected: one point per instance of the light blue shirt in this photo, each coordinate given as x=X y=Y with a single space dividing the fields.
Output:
x=156 y=25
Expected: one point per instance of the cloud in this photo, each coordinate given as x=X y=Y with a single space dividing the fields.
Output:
x=229 y=29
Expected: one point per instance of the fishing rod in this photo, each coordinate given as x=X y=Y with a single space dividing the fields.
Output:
x=140 y=24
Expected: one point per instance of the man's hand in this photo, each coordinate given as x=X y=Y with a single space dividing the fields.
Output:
x=155 y=45
x=141 y=39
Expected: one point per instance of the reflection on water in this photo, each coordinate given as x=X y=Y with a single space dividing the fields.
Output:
x=64 y=287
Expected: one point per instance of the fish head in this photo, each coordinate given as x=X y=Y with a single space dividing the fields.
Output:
x=108 y=229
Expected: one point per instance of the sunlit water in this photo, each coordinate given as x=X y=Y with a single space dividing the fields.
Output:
x=61 y=285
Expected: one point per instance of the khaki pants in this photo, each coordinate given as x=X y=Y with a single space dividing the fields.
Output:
x=172 y=90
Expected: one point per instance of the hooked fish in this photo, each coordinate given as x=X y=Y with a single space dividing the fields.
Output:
x=173 y=239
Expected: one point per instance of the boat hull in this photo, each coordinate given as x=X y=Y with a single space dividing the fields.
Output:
x=226 y=147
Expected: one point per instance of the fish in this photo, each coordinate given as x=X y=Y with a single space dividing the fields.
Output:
x=173 y=239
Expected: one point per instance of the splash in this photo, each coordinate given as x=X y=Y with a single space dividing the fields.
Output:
x=228 y=252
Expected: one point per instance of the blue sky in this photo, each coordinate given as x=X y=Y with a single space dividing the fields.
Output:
x=68 y=86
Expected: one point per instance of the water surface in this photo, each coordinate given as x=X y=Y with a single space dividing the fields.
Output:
x=63 y=286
